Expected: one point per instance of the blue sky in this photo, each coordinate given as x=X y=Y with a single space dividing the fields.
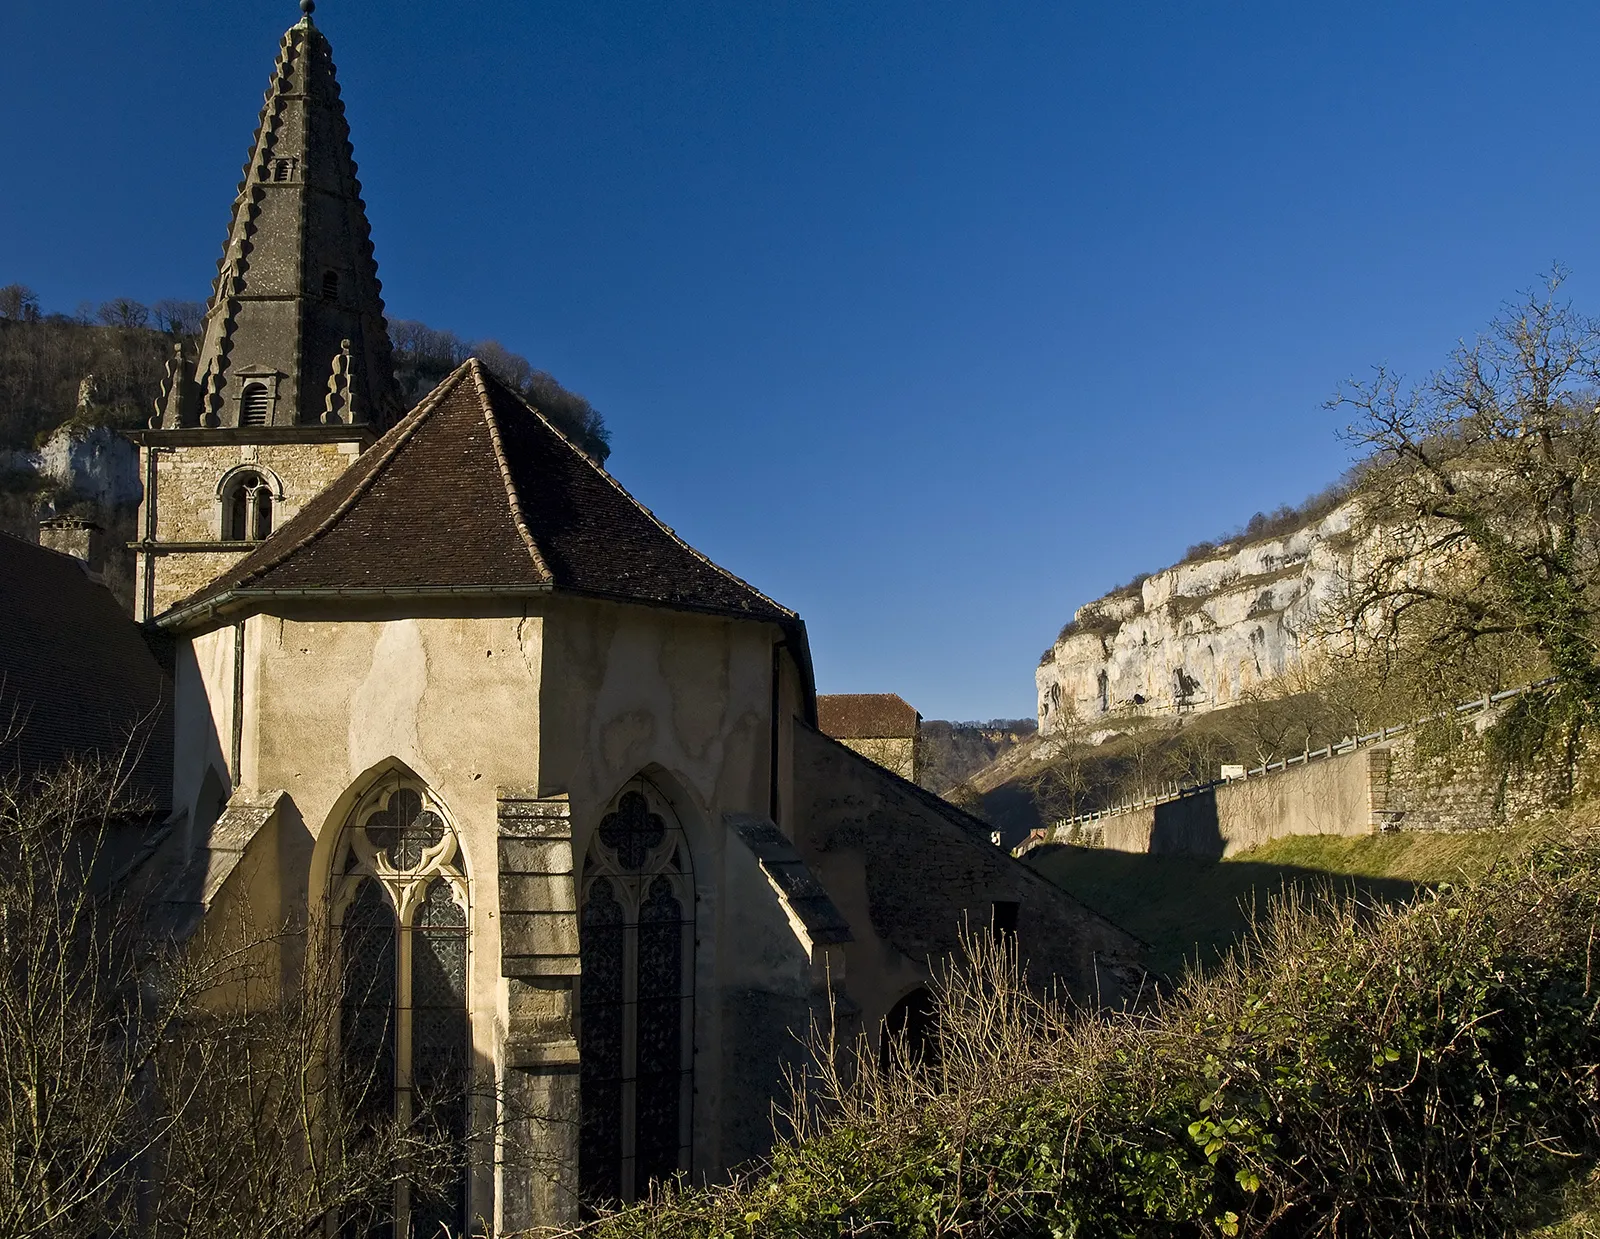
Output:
x=932 y=320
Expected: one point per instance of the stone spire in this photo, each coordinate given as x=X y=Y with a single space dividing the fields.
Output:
x=297 y=304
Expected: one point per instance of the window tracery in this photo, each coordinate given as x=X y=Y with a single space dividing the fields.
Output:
x=246 y=508
x=401 y=909
x=636 y=999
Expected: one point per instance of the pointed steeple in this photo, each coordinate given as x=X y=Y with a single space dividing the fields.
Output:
x=296 y=305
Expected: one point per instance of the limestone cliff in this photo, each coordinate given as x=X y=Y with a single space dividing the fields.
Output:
x=79 y=493
x=1198 y=635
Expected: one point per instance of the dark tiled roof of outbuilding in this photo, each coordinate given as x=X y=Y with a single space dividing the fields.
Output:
x=866 y=716
x=475 y=489
x=77 y=675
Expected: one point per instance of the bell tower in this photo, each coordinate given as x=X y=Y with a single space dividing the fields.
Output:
x=294 y=377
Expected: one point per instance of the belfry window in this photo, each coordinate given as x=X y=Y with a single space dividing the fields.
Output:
x=283 y=169
x=330 y=286
x=636 y=1000
x=400 y=905
x=255 y=403
x=246 y=508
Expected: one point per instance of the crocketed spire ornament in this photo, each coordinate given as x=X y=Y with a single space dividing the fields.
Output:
x=297 y=277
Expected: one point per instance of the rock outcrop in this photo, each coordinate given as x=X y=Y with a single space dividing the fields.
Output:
x=78 y=494
x=1199 y=635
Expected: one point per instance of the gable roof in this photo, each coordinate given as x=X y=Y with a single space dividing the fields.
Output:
x=475 y=491
x=866 y=716
x=77 y=677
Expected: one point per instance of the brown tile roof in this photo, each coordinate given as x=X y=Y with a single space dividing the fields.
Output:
x=475 y=489
x=77 y=676
x=866 y=716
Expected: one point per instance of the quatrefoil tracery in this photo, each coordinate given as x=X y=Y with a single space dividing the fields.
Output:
x=406 y=844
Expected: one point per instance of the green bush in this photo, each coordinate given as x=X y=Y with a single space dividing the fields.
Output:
x=1424 y=1071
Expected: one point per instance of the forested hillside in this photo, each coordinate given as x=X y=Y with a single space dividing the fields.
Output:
x=125 y=345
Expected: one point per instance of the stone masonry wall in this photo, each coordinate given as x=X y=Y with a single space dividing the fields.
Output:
x=897 y=753
x=1421 y=781
x=930 y=872
x=188 y=509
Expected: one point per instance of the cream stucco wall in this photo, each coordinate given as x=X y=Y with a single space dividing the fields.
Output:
x=567 y=696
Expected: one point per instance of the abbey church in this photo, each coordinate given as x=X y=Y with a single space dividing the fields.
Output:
x=550 y=778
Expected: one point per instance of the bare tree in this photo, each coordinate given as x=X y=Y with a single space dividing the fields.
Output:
x=151 y=1085
x=123 y=312
x=19 y=304
x=178 y=318
x=1482 y=480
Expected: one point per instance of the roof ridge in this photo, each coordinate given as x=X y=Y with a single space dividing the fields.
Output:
x=403 y=433
x=654 y=519
x=515 y=499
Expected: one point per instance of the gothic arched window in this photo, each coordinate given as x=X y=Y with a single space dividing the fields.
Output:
x=255 y=404
x=400 y=911
x=246 y=508
x=635 y=999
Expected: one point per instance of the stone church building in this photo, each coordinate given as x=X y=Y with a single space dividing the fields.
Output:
x=550 y=779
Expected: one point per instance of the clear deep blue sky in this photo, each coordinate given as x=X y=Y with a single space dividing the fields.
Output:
x=932 y=320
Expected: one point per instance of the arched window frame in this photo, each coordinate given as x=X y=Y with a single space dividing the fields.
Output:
x=632 y=892
x=261 y=491
x=409 y=873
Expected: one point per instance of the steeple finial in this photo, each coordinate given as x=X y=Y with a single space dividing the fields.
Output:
x=308 y=7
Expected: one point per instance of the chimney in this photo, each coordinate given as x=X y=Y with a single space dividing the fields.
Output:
x=71 y=535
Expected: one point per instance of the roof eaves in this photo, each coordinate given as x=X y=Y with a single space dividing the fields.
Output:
x=230 y=601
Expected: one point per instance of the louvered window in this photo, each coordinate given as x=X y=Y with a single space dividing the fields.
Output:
x=401 y=907
x=255 y=403
x=636 y=1000
x=330 y=286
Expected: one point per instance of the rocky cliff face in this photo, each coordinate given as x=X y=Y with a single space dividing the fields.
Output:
x=78 y=494
x=1198 y=635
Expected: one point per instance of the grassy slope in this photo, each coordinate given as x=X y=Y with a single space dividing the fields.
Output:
x=1577 y=1211
x=1190 y=910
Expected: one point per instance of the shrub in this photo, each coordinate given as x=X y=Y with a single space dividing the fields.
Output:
x=1352 y=1072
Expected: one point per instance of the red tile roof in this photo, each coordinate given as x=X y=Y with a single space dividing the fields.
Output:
x=866 y=716
x=474 y=489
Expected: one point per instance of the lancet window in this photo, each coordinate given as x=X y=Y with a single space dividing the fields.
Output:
x=636 y=999
x=246 y=508
x=400 y=910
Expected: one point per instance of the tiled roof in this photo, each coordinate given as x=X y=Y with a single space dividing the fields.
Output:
x=866 y=716
x=474 y=489
x=77 y=676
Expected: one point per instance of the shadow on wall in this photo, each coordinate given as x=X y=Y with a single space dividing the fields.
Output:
x=1193 y=908
x=1188 y=827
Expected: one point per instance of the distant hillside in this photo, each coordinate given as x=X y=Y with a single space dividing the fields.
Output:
x=125 y=346
x=951 y=753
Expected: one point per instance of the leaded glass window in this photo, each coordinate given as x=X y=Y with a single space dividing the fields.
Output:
x=636 y=999
x=400 y=905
